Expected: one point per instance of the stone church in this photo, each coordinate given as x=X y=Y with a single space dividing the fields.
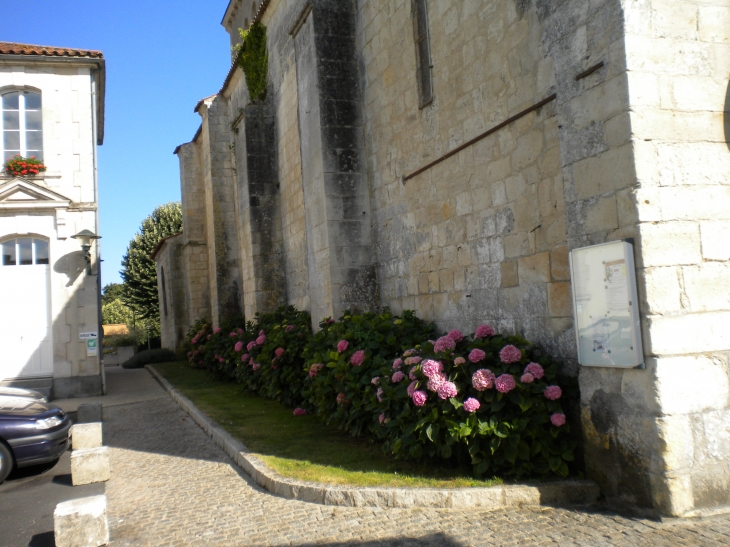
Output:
x=446 y=156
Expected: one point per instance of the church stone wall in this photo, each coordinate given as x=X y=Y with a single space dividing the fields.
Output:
x=629 y=142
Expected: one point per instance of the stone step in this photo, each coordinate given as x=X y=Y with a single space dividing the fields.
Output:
x=41 y=385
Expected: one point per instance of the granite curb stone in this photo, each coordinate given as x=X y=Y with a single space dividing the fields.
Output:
x=81 y=523
x=559 y=493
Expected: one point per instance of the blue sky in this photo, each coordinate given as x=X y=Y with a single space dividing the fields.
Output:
x=162 y=56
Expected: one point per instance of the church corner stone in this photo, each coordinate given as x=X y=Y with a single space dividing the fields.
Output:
x=316 y=197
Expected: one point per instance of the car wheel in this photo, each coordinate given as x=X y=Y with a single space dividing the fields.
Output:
x=6 y=462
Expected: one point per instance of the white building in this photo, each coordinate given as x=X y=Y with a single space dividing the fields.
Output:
x=52 y=102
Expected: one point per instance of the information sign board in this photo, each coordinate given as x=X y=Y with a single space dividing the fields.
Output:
x=605 y=305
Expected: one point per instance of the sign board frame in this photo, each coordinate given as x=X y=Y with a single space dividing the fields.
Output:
x=606 y=306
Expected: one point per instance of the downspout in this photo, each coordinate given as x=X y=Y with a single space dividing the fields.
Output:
x=100 y=330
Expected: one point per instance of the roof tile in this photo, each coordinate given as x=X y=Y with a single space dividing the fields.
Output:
x=12 y=48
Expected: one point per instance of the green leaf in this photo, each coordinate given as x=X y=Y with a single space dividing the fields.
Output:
x=446 y=451
x=456 y=403
x=555 y=464
x=416 y=451
x=429 y=432
x=567 y=455
x=536 y=447
x=523 y=451
x=396 y=446
x=510 y=452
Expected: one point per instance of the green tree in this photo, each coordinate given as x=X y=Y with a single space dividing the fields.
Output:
x=115 y=313
x=111 y=292
x=138 y=269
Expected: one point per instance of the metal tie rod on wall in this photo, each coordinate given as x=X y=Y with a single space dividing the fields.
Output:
x=480 y=137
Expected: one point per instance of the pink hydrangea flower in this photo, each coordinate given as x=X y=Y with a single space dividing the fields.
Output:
x=412 y=374
x=413 y=360
x=194 y=341
x=244 y=357
x=527 y=378
x=536 y=370
x=459 y=361
x=262 y=332
x=256 y=366
x=398 y=363
x=430 y=367
x=289 y=328
x=329 y=321
x=217 y=330
x=357 y=358
x=435 y=381
x=375 y=381
x=279 y=352
x=553 y=393
x=260 y=340
x=455 y=335
x=476 y=355
x=251 y=361
x=419 y=398
x=409 y=352
x=239 y=330
x=314 y=369
x=397 y=377
x=510 y=354
x=444 y=344
x=471 y=405
x=299 y=411
x=483 y=379
x=232 y=334
x=381 y=418
x=379 y=394
x=220 y=359
x=412 y=388
x=238 y=347
x=505 y=383
x=251 y=345
x=447 y=390
x=483 y=331
x=342 y=345
x=341 y=398
x=557 y=419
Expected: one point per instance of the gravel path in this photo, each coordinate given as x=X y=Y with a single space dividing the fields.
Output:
x=171 y=485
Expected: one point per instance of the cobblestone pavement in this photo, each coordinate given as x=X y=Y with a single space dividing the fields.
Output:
x=171 y=485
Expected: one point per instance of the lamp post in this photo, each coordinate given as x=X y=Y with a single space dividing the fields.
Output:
x=86 y=236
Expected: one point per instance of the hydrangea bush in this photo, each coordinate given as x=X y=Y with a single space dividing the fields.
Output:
x=487 y=400
x=342 y=359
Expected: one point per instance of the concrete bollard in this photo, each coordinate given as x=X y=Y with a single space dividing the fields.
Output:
x=88 y=413
x=85 y=436
x=81 y=523
x=90 y=466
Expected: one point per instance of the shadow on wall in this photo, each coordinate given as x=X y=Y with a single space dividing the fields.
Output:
x=71 y=264
x=727 y=116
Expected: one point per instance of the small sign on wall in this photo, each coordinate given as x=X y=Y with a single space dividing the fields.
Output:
x=605 y=305
x=92 y=347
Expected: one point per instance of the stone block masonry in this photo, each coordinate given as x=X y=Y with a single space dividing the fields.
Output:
x=90 y=465
x=81 y=523
x=85 y=436
x=328 y=195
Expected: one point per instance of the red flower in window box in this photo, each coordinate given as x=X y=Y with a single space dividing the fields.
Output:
x=18 y=166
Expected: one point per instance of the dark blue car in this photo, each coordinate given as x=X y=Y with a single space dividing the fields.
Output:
x=31 y=433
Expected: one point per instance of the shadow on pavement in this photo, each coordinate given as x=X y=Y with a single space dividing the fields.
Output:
x=45 y=539
x=440 y=539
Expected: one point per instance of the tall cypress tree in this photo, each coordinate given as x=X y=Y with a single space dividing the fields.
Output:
x=139 y=273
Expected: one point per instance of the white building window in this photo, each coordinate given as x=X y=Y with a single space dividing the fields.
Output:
x=22 y=124
x=24 y=251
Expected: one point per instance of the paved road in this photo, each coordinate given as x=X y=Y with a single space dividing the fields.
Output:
x=171 y=485
x=28 y=498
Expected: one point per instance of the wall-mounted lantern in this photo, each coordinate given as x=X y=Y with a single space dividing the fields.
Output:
x=86 y=236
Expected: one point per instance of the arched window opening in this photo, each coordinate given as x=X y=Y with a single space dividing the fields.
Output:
x=22 y=124
x=25 y=251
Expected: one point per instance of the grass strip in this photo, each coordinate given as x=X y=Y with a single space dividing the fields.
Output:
x=303 y=447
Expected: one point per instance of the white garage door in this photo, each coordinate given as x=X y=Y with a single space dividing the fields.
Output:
x=25 y=318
